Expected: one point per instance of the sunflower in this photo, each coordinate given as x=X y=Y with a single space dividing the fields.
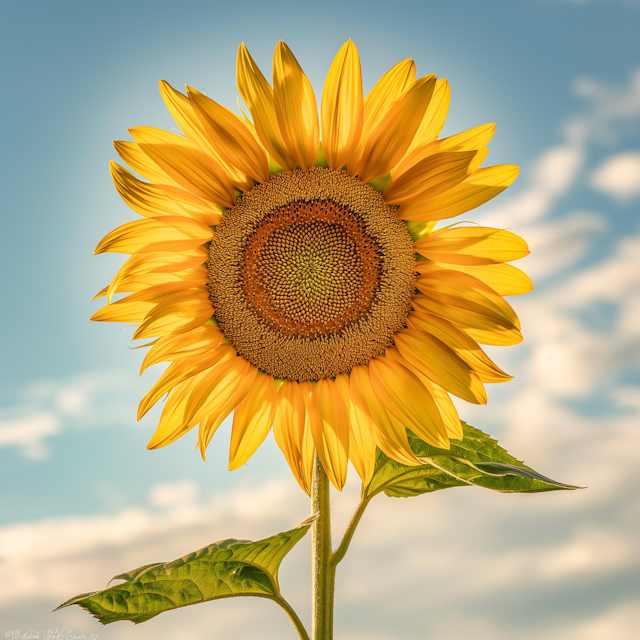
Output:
x=300 y=283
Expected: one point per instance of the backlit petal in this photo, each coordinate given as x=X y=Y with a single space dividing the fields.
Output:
x=183 y=345
x=151 y=200
x=342 y=107
x=258 y=96
x=296 y=107
x=460 y=343
x=471 y=140
x=472 y=246
x=289 y=432
x=440 y=364
x=385 y=92
x=504 y=279
x=430 y=177
x=408 y=400
x=330 y=430
x=181 y=108
x=182 y=370
x=141 y=163
x=389 y=141
x=172 y=423
x=229 y=402
x=482 y=328
x=169 y=263
x=362 y=444
x=252 y=420
x=218 y=386
x=446 y=407
x=466 y=292
x=176 y=316
x=187 y=164
x=434 y=117
x=162 y=233
x=230 y=136
x=390 y=433
x=477 y=189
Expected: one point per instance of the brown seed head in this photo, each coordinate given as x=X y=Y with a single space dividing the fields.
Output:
x=311 y=274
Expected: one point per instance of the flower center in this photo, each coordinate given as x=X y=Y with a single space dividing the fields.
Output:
x=311 y=269
x=311 y=274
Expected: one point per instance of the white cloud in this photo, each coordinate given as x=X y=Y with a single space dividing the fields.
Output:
x=551 y=176
x=46 y=408
x=173 y=494
x=29 y=432
x=57 y=557
x=619 y=176
x=611 y=110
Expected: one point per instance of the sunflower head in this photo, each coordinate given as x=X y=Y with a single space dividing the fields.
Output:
x=300 y=283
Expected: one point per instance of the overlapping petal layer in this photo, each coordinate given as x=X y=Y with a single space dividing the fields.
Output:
x=390 y=137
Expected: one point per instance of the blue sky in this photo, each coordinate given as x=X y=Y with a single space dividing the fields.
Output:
x=82 y=499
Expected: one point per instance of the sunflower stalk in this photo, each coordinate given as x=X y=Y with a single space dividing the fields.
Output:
x=323 y=570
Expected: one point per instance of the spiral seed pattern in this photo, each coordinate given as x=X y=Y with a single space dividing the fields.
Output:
x=311 y=274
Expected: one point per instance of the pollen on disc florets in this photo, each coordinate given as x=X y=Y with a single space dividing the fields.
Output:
x=311 y=274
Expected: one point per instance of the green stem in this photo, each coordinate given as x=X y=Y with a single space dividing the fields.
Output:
x=348 y=534
x=322 y=570
x=293 y=616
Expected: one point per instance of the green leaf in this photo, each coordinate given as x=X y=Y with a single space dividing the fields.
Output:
x=476 y=460
x=220 y=570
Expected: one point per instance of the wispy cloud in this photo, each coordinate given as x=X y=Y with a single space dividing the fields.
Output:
x=619 y=176
x=47 y=407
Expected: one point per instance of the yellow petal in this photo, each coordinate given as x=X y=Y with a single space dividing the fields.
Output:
x=230 y=136
x=472 y=246
x=136 y=306
x=482 y=328
x=210 y=424
x=123 y=311
x=362 y=444
x=176 y=316
x=289 y=432
x=162 y=233
x=465 y=291
x=471 y=140
x=182 y=370
x=477 y=189
x=192 y=168
x=183 y=113
x=252 y=420
x=172 y=424
x=151 y=200
x=308 y=447
x=330 y=430
x=430 y=177
x=258 y=96
x=434 y=117
x=342 y=107
x=389 y=141
x=215 y=388
x=446 y=407
x=160 y=263
x=385 y=92
x=141 y=163
x=183 y=345
x=390 y=433
x=296 y=107
x=407 y=399
x=504 y=279
x=134 y=283
x=460 y=343
x=440 y=364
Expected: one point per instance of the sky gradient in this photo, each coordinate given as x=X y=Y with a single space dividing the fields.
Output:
x=82 y=499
